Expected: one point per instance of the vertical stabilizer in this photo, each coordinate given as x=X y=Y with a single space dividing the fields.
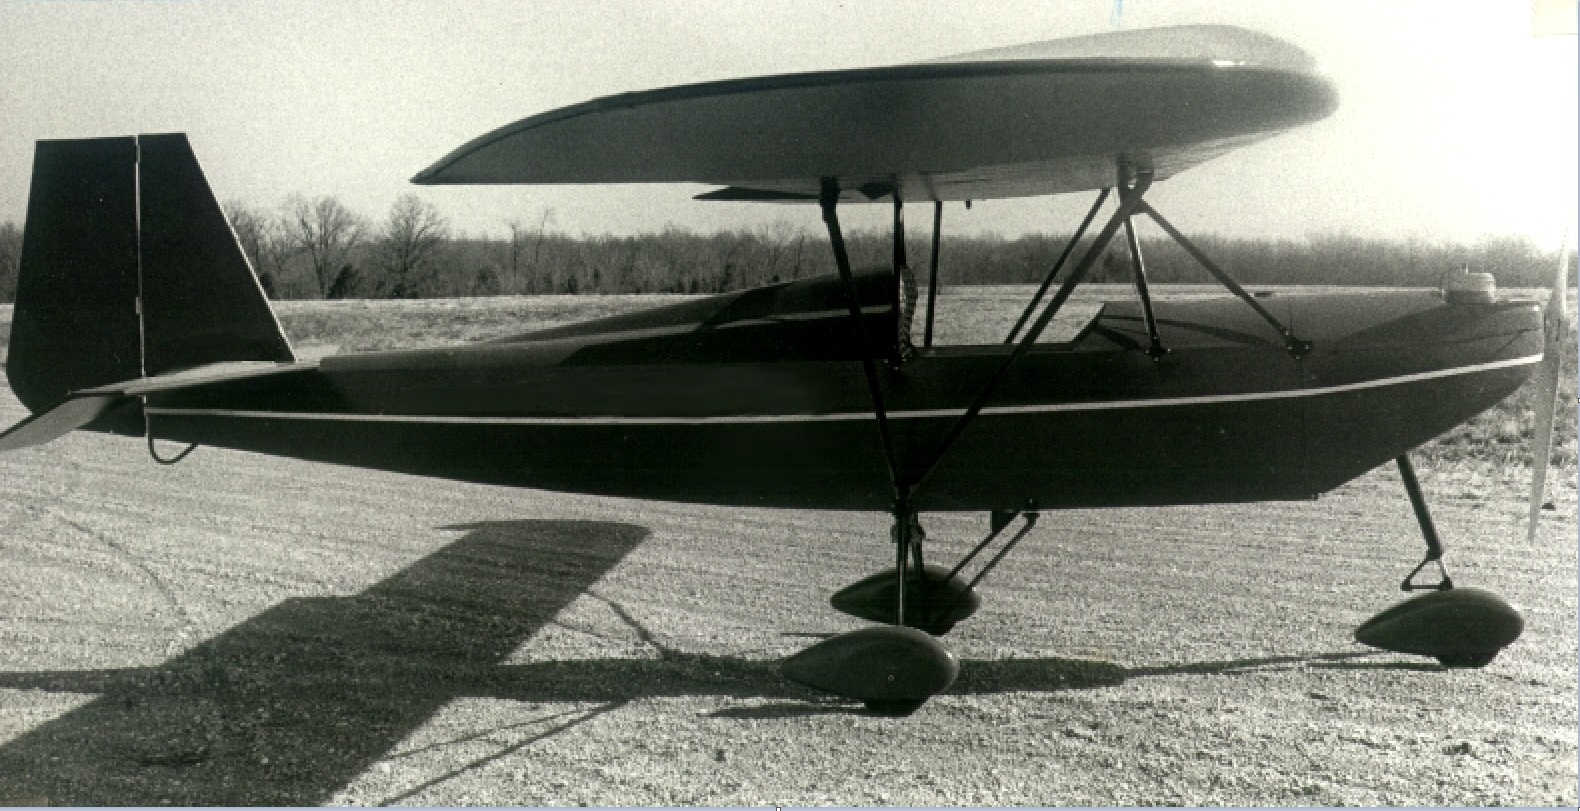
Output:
x=129 y=268
x=201 y=300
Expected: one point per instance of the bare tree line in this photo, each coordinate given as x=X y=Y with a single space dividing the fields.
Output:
x=318 y=248
x=312 y=248
x=10 y=259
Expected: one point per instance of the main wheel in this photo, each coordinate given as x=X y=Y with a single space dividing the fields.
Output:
x=895 y=708
x=934 y=601
x=1468 y=660
x=890 y=668
x=1460 y=627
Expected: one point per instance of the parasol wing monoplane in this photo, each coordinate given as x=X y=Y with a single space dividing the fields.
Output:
x=138 y=314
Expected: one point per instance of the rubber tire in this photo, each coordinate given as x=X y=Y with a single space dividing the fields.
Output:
x=896 y=708
x=1467 y=660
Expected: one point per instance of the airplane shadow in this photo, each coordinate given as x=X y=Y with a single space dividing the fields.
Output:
x=291 y=706
x=977 y=677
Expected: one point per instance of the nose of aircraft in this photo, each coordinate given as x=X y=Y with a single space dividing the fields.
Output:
x=1391 y=371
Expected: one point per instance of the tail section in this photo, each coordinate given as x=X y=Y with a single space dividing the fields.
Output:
x=129 y=269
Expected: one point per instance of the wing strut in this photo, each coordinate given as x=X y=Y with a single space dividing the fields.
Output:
x=932 y=273
x=829 y=200
x=1128 y=204
x=1031 y=306
x=1155 y=348
x=904 y=286
x=904 y=515
x=1296 y=347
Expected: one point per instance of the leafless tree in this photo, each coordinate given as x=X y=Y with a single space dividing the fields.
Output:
x=781 y=240
x=524 y=248
x=10 y=259
x=326 y=232
x=262 y=238
x=409 y=246
x=515 y=249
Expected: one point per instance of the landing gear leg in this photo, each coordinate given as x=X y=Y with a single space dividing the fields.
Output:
x=907 y=533
x=1423 y=516
x=903 y=516
x=912 y=603
x=1459 y=627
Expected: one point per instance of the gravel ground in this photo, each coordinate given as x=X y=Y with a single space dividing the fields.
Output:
x=243 y=630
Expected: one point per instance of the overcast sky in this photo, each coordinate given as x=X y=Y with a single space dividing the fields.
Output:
x=1455 y=122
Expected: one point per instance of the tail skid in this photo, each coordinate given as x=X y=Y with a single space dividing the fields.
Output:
x=129 y=269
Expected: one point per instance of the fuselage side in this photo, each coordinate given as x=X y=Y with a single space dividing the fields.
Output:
x=762 y=401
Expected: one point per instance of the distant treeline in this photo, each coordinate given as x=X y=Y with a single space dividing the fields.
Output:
x=317 y=248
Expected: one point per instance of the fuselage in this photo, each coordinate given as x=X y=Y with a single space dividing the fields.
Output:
x=758 y=398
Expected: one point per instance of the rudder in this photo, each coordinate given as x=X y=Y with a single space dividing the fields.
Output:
x=75 y=320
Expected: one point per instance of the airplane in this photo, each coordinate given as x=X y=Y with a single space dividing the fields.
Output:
x=138 y=314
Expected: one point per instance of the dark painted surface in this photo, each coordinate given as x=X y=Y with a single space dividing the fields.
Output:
x=883 y=663
x=756 y=397
x=1461 y=626
x=202 y=303
x=703 y=425
x=75 y=322
x=129 y=267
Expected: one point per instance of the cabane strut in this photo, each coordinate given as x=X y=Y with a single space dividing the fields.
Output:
x=1132 y=186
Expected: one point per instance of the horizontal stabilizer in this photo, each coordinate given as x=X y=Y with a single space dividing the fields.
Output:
x=87 y=405
x=192 y=378
x=56 y=422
